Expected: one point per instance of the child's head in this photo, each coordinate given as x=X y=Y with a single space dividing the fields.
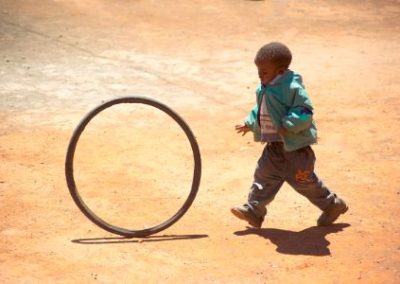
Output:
x=272 y=59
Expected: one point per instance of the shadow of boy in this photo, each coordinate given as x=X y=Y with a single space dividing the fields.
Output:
x=310 y=241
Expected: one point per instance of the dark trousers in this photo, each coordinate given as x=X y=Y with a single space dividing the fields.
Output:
x=276 y=166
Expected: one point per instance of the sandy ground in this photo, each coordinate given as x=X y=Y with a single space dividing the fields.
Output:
x=59 y=59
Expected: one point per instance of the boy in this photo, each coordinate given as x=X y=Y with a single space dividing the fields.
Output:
x=283 y=118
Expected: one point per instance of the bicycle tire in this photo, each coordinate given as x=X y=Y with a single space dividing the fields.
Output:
x=69 y=170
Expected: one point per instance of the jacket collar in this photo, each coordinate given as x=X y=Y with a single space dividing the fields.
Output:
x=286 y=77
x=280 y=77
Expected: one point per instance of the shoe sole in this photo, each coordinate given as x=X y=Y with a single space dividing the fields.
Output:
x=243 y=216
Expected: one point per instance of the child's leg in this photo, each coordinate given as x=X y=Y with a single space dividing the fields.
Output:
x=301 y=176
x=268 y=178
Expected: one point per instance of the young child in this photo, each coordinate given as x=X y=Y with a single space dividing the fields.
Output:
x=283 y=118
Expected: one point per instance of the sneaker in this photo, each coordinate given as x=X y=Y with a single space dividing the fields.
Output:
x=245 y=213
x=332 y=212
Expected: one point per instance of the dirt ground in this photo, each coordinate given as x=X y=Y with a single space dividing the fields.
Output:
x=59 y=59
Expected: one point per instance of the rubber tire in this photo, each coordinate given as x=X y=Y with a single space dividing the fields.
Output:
x=69 y=169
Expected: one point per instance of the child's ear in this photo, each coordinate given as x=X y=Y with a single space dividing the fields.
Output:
x=281 y=70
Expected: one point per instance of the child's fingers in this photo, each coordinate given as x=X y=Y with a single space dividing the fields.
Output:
x=241 y=129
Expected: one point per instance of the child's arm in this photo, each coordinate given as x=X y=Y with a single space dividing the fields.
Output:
x=251 y=120
x=298 y=119
x=300 y=115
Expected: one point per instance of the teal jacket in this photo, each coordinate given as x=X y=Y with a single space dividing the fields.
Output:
x=290 y=107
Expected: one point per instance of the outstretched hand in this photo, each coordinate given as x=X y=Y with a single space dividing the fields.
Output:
x=242 y=129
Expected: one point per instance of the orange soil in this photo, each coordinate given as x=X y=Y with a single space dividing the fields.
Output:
x=61 y=58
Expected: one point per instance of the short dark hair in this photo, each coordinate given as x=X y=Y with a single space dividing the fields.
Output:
x=275 y=52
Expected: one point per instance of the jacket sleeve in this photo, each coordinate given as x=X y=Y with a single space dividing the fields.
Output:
x=300 y=115
x=251 y=119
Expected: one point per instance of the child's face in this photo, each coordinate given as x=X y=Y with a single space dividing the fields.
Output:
x=268 y=71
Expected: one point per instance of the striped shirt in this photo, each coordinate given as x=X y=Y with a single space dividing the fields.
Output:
x=268 y=131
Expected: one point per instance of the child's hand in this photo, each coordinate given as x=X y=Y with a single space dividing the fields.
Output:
x=242 y=129
x=282 y=131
